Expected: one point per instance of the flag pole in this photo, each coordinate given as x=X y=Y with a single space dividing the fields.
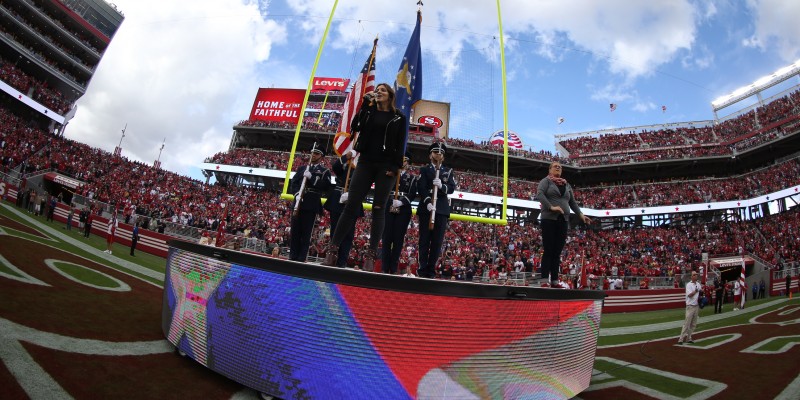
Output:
x=355 y=136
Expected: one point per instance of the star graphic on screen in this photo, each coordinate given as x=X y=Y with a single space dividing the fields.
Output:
x=709 y=206
x=192 y=289
x=251 y=170
x=217 y=166
x=461 y=195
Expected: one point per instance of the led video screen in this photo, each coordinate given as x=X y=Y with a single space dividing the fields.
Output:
x=296 y=337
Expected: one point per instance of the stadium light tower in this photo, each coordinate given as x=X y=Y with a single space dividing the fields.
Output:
x=118 y=150
x=157 y=164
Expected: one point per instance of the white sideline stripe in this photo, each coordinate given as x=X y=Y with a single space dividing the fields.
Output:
x=33 y=379
x=12 y=331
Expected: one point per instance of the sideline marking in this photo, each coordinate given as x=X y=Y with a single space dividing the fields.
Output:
x=121 y=286
x=712 y=388
x=698 y=343
x=791 y=341
x=34 y=380
x=22 y=275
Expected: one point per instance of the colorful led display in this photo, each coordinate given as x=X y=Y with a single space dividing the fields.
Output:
x=324 y=338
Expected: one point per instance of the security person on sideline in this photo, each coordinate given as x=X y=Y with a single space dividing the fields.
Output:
x=435 y=182
x=398 y=215
x=309 y=184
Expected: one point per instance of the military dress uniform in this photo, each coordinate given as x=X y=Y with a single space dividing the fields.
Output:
x=335 y=209
x=430 y=240
x=396 y=226
x=310 y=205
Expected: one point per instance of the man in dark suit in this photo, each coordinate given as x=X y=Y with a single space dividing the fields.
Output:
x=309 y=184
x=428 y=183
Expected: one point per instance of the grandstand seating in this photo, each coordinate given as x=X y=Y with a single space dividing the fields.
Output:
x=260 y=214
x=749 y=129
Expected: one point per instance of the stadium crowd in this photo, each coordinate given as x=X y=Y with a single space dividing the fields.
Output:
x=737 y=133
x=33 y=88
x=40 y=55
x=640 y=194
x=470 y=249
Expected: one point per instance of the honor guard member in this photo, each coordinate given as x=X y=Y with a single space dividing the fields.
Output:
x=429 y=188
x=309 y=184
x=398 y=215
x=337 y=197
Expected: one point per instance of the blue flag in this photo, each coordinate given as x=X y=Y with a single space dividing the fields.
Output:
x=408 y=83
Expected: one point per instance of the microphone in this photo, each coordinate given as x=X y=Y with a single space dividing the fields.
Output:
x=369 y=97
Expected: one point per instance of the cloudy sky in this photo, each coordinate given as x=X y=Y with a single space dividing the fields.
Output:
x=187 y=71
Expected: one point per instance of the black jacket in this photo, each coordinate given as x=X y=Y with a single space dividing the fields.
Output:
x=393 y=136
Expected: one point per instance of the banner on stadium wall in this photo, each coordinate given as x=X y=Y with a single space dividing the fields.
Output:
x=728 y=262
x=434 y=114
x=330 y=84
x=63 y=180
x=8 y=191
x=277 y=105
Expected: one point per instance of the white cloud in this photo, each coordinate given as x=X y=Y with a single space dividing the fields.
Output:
x=184 y=70
x=776 y=26
x=643 y=106
x=188 y=70
x=632 y=37
x=610 y=93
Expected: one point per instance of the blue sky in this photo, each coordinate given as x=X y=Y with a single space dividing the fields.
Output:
x=187 y=71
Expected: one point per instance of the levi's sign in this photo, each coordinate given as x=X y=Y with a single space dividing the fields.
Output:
x=329 y=84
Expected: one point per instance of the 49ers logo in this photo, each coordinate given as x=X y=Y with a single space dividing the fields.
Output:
x=430 y=120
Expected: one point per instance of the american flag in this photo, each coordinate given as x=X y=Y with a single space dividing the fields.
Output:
x=363 y=84
x=613 y=106
x=513 y=140
x=561 y=120
x=663 y=109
